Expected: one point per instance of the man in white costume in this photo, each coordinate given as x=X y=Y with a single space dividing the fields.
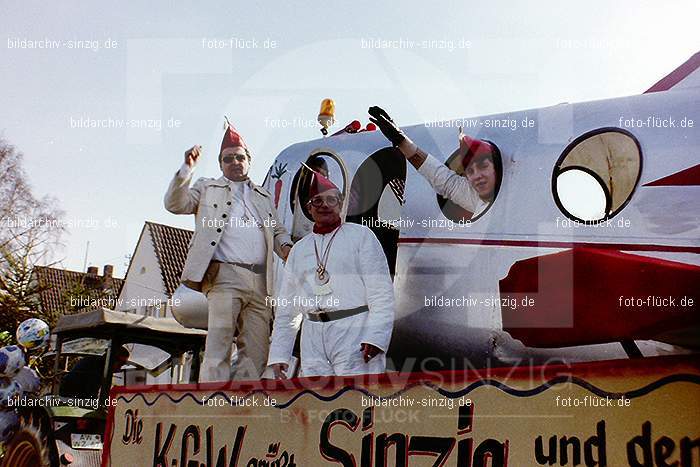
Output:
x=230 y=257
x=474 y=191
x=337 y=280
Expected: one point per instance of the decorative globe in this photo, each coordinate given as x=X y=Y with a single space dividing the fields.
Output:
x=9 y=389
x=33 y=333
x=9 y=421
x=28 y=380
x=11 y=360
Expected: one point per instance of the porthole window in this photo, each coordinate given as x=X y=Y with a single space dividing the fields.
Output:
x=596 y=175
x=583 y=194
x=481 y=165
x=325 y=163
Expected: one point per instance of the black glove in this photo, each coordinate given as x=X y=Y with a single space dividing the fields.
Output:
x=386 y=125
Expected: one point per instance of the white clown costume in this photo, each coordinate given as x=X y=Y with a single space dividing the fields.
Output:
x=356 y=306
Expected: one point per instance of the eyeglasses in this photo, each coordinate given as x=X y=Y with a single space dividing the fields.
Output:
x=238 y=157
x=330 y=201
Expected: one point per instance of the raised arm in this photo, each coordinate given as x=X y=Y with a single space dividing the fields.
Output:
x=444 y=181
x=448 y=183
x=180 y=198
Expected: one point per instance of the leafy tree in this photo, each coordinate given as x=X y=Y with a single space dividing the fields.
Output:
x=5 y=338
x=19 y=292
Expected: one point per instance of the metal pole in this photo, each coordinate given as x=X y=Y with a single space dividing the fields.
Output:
x=87 y=248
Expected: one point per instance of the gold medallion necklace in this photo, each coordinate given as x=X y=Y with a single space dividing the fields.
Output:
x=322 y=275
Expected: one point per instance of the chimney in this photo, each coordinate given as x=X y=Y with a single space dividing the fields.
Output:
x=92 y=271
x=107 y=271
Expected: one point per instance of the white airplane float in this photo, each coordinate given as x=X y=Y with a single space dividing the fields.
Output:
x=590 y=249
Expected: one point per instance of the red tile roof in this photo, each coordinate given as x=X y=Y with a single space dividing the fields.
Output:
x=170 y=244
x=58 y=282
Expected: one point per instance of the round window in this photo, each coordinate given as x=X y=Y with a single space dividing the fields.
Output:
x=596 y=174
x=582 y=193
x=483 y=170
x=325 y=163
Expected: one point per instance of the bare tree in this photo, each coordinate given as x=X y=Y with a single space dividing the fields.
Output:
x=30 y=232
x=24 y=219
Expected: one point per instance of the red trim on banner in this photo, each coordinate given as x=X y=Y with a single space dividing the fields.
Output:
x=687 y=177
x=598 y=369
x=677 y=75
x=109 y=428
x=553 y=244
x=664 y=366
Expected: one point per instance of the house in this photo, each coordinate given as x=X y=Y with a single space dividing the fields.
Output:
x=154 y=270
x=151 y=279
x=65 y=292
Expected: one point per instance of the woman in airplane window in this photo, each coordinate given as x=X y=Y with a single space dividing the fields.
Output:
x=475 y=191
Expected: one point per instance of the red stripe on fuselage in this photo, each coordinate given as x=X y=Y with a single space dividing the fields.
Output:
x=687 y=177
x=553 y=244
x=677 y=75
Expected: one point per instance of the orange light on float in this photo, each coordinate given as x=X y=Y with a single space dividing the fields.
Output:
x=326 y=116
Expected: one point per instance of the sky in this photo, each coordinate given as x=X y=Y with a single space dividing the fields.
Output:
x=159 y=77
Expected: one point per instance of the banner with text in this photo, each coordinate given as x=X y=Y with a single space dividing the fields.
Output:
x=616 y=413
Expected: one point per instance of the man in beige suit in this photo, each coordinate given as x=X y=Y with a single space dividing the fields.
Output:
x=230 y=257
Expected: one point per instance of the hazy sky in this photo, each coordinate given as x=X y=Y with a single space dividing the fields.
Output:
x=267 y=65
